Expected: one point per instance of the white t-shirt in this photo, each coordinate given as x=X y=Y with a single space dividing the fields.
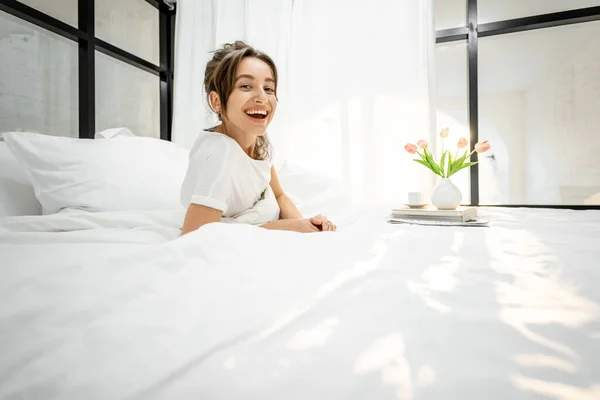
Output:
x=221 y=175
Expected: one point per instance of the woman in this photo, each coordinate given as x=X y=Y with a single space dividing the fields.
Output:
x=231 y=173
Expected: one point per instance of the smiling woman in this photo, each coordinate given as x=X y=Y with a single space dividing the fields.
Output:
x=231 y=173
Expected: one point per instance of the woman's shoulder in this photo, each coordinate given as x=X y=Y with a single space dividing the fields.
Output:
x=209 y=143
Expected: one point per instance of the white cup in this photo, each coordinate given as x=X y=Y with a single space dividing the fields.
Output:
x=416 y=198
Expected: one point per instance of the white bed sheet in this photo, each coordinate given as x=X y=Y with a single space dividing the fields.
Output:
x=116 y=305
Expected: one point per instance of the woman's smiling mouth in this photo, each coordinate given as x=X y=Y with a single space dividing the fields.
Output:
x=257 y=113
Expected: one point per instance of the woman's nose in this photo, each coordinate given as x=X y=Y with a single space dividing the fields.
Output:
x=261 y=96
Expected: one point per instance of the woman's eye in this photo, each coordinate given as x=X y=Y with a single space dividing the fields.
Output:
x=246 y=87
x=270 y=90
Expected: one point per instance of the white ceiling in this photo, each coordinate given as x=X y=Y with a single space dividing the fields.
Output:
x=512 y=62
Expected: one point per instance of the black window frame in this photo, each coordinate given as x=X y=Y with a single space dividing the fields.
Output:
x=88 y=43
x=471 y=34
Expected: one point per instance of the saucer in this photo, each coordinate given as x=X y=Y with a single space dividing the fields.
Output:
x=417 y=206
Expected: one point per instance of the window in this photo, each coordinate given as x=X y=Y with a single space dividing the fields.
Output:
x=533 y=86
x=58 y=77
x=38 y=80
x=63 y=10
x=126 y=96
x=450 y=14
x=539 y=108
x=131 y=25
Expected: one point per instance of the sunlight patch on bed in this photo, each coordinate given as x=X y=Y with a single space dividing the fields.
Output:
x=537 y=294
x=544 y=361
x=426 y=376
x=386 y=356
x=285 y=319
x=357 y=271
x=360 y=268
x=315 y=337
x=229 y=364
x=284 y=362
x=436 y=305
x=440 y=277
x=459 y=240
x=556 y=390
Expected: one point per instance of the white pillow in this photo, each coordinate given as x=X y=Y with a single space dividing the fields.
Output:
x=131 y=173
x=114 y=133
x=311 y=191
x=17 y=196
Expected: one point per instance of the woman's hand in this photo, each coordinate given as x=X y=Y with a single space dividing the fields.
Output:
x=322 y=223
x=309 y=225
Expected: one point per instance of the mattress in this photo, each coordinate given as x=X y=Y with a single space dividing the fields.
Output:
x=117 y=305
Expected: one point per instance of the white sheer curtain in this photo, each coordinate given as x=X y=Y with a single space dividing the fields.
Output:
x=355 y=84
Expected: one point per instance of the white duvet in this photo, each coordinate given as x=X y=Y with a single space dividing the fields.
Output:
x=118 y=306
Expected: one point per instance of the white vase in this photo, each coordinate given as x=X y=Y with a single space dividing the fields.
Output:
x=446 y=195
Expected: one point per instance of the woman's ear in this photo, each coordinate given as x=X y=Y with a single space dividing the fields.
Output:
x=215 y=102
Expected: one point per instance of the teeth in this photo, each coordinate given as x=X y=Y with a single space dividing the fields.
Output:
x=262 y=112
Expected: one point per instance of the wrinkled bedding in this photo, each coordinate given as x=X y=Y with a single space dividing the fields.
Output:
x=118 y=306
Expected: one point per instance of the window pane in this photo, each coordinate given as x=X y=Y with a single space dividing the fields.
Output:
x=38 y=80
x=452 y=103
x=539 y=110
x=494 y=10
x=126 y=97
x=130 y=25
x=64 y=10
x=450 y=14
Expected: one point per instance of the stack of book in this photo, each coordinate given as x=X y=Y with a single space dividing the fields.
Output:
x=463 y=216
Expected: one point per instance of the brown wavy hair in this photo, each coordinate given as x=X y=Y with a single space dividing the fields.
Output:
x=220 y=75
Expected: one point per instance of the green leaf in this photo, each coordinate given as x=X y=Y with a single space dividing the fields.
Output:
x=434 y=167
x=426 y=160
x=425 y=164
x=443 y=163
x=422 y=162
x=464 y=166
x=457 y=164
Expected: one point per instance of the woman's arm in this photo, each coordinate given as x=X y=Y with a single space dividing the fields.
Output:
x=288 y=209
x=198 y=215
x=291 y=217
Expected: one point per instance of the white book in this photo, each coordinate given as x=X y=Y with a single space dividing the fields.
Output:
x=415 y=221
x=461 y=214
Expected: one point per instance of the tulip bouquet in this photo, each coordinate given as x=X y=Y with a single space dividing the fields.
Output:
x=449 y=164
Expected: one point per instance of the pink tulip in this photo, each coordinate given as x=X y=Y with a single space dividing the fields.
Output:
x=444 y=133
x=482 y=147
x=422 y=144
x=462 y=143
x=410 y=148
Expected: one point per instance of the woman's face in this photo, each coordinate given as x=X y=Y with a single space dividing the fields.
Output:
x=252 y=103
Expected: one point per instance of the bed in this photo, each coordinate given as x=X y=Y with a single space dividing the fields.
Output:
x=114 y=304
